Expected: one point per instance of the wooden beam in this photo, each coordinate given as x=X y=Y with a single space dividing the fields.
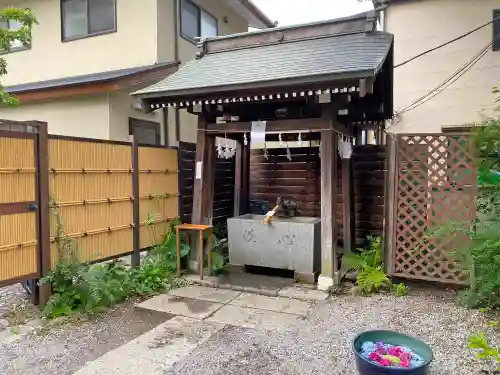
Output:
x=328 y=153
x=349 y=238
x=273 y=126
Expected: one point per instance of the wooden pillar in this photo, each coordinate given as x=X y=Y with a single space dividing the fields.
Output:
x=203 y=194
x=245 y=178
x=237 y=179
x=328 y=152
x=348 y=206
x=136 y=255
x=42 y=293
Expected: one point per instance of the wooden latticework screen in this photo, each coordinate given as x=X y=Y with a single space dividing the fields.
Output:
x=435 y=184
x=19 y=256
x=158 y=192
x=90 y=182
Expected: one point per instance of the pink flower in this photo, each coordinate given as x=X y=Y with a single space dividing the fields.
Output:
x=405 y=356
x=374 y=356
x=385 y=362
x=405 y=362
x=395 y=351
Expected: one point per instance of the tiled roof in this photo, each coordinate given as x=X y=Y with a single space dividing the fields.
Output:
x=356 y=55
x=87 y=78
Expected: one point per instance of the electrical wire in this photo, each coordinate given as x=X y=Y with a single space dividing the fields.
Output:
x=449 y=81
x=445 y=44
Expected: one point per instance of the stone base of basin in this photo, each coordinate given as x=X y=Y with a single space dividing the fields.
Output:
x=285 y=243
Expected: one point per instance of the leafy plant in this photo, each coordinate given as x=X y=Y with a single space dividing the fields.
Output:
x=477 y=243
x=90 y=289
x=400 y=290
x=484 y=350
x=219 y=263
x=368 y=263
x=9 y=36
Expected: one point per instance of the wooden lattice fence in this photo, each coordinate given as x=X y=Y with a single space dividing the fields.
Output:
x=434 y=182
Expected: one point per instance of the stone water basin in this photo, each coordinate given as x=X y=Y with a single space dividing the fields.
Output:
x=285 y=243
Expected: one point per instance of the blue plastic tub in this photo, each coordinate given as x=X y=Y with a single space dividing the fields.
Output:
x=367 y=367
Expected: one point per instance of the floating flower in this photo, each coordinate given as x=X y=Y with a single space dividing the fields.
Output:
x=389 y=356
x=385 y=362
x=395 y=351
x=404 y=363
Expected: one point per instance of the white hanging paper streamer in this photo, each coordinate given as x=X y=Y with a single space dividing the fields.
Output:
x=266 y=155
x=299 y=139
x=219 y=150
x=280 y=139
x=227 y=150
x=245 y=139
x=288 y=153
x=345 y=147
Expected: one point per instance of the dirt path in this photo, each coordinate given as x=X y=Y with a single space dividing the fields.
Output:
x=65 y=349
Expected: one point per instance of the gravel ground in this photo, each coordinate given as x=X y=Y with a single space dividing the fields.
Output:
x=320 y=344
x=15 y=307
x=64 y=349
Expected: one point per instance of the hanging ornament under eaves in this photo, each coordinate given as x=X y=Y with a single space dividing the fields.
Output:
x=280 y=140
x=245 y=139
x=220 y=152
x=266 y=155
x=299 y=139
x=345 y=147
x=288 y=153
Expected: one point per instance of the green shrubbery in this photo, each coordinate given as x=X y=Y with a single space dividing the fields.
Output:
x=89 y=289
x=368 y=263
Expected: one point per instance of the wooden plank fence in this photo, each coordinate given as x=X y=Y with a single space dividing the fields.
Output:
x=224 y=184
x=300 y=179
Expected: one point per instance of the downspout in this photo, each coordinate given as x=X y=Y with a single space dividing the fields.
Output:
x=176 y=58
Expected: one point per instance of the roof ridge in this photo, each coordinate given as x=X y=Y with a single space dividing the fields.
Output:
x=357 y=23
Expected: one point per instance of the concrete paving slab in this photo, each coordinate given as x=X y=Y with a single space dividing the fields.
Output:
x=253 y=318
x=278 y=304
x=117 y=364
x=304 y=294
x=205 y=293
x=181 y=306
x=155 y=351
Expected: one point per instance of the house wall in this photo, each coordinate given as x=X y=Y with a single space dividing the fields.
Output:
x=420 y=25
x=82 y=116
x=134 y=44
x=139 y=41
x=187 y=50
x=121 y=109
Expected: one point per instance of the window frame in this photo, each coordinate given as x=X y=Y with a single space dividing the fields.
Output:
x=89 y=35
x=495 y=46
x=198 y=25
x=24 y=47
x=135 y=123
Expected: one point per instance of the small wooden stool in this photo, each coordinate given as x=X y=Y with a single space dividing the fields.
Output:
x=201 y=229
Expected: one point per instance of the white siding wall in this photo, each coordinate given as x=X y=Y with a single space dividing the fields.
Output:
x=420 y=25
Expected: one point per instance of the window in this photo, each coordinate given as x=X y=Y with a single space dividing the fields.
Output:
x=496 y=30
x=16 y=45
x=196 y=22
x=146 y=132
x=83 y=18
